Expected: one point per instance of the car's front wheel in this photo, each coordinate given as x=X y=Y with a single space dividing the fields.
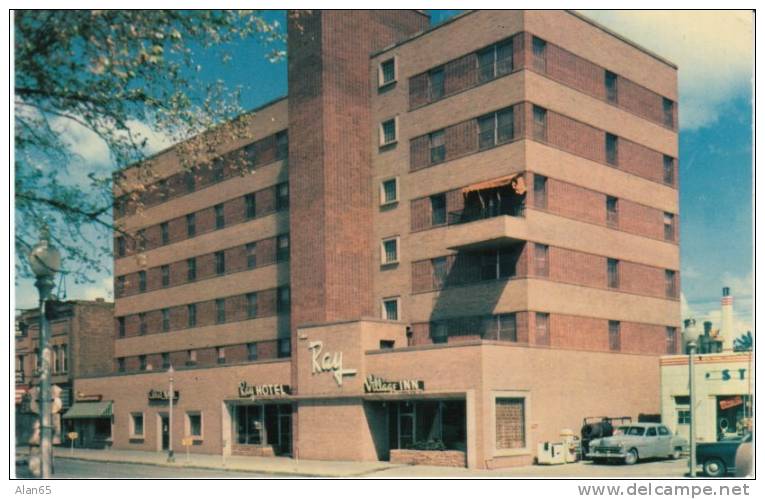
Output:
x=714 y=467
x=631 y=457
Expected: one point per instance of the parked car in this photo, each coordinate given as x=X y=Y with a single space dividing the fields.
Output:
x=719 y=458
x=638 y=441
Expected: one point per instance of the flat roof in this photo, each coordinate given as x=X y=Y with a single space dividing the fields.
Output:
x=572 y=12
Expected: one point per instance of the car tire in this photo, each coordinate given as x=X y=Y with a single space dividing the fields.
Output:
x=631 y=457
x=676 y=453
x=714 y=467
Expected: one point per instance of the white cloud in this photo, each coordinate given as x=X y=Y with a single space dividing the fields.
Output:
x=97 y=290
x=713 y=50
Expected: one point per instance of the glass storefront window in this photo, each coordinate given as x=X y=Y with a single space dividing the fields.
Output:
x=428 y=424
x=249 y=424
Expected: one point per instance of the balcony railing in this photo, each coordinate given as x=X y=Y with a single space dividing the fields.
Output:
x=471 y=214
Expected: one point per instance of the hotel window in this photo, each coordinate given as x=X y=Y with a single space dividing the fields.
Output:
x=283 y=300
x=282 y=145
x=389 y=191
x=389 y=251
x=388 y=132
x=495 y=61
x=613 y=273
x=121 y=327
x=439 y=272
x=164 y=229
x=282 y=248
x=120 y=285
x=220 y=218
x=191 y=181
x=191 y=269
x=136 y=424
x=220 y=262
x=142 y=327
x=220 y=353
x=437 y=142
x=495 y=128
x=191 y=225
x=669 y=227
x=220 y=310
x=252 y=257
x=194 y=424
x=121 y=364
x=282 y=196
x=611 y=87
x=62 y=358
x=612 y=149
x=191 y=310
x=542 y=328
x=510 y=414
x=252 y=351
x=252 y=305
x=541 y=260
x=612 y=211
x=438 y=209
x=540 y=123
x=540 y=191
x=683 y=416
x=165 y=360
x=284 y=348
x=671 y=340
x=669 y=170
x=120 y=246
x=191 y=357
x=249 y=206
x=165 y=320
x=670 y=278
x=387 y=74
x=539 y=51
x=508 y=330
x=436 y=86
x=614 y=336
x=165 y=272
x=142 y=362
x=142 y=281
x=390 y=308
x=669 y=112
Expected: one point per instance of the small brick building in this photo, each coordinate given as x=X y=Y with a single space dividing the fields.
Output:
x=445 y=239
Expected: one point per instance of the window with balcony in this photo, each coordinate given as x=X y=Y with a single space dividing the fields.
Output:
x=495 y=61
x=540 y=123
x=669 y=227
x=165 y=320
x=249 y=206
x=611 y=87
x=252 y=257
x=283 y=248
x=387 y=72
x=440 y=271
x=388 y=132
x=191 y=311
x=220 y=311
x=612 y=149
x=437 y=144
x=613 y=273
x=220 y=217
x=542 y=328
x=436 y=87
x=541 y=260
x=389 y=191
x=389 y=251
x=165 y=272
x=670 y=277
x=390 y=308
x=540 y=191
x=669 y=170
x=282 y=196
x=164 y=229
x=539 y=54
x=220 y=262
x=191 y=225
x=612 y=211
x=252 y=305
x=191 y=269
x=438 y=209
x=614 y=336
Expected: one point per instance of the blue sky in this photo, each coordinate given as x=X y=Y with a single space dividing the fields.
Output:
x=714 y=53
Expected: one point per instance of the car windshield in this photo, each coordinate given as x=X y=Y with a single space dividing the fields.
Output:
x=635 y=431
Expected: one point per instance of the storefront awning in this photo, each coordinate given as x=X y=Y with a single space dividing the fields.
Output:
x=84 y=410
x=519 y=186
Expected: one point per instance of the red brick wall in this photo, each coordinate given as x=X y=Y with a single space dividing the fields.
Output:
x=575 y=202
x=640 y=219
x=574 y=136
x=641 y=279
x=641 y=161
x=574 y=267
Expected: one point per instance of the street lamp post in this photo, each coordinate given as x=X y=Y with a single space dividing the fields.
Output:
x=170 y=456
x=692 y=410
x=45 y=261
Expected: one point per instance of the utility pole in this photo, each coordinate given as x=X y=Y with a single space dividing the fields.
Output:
x=691 y=395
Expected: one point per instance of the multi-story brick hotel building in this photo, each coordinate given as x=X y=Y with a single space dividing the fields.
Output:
x=462 y=235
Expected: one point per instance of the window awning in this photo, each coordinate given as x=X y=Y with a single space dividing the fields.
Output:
x=516 y=180
x=84 y=410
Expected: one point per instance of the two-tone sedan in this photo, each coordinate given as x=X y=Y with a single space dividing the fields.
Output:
x=638 y=441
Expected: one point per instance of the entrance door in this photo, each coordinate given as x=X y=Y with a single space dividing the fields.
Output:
x=285 y=429
x=165 y=427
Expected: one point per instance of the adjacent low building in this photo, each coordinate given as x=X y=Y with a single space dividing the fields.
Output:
x=452 y=241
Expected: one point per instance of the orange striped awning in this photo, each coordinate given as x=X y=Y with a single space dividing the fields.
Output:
x=516 y=180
